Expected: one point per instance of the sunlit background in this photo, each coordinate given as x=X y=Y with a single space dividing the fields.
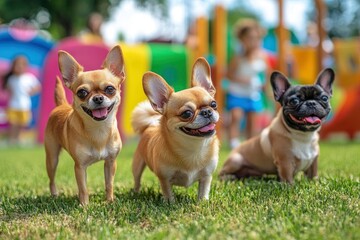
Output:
x=141 y=20
x=159 y=35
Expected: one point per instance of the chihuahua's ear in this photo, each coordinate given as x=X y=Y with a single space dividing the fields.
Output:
x=201 y=76
x=157 y=90
x=279 y=85
x=114 y=62
x=69 y=67
x=326 y=80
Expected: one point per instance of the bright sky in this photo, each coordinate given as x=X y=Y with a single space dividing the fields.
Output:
x=138 y=24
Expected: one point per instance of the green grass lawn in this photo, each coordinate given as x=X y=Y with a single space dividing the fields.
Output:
x=252 y=209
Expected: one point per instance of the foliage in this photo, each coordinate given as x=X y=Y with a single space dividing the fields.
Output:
x=154 y=5
x=340 y=13
x=64 y=17
x=250 y=209
x=233 y=15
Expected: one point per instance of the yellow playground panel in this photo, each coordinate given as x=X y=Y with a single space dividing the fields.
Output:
x=305 y=64
x=347 y=59
x=169 y=61
x=137 y=62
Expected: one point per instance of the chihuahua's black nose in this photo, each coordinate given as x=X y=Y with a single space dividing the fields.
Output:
x=98 y=99
x=206 y=113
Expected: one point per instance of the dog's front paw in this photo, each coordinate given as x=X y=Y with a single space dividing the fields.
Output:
x=110 y=199
x=290 y=182
x=228 y=177
x=204 y=198
x=170 y=199
x=53 y=190
x=84 y=199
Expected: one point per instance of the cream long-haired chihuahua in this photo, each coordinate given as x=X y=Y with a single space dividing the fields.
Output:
x=178 y=141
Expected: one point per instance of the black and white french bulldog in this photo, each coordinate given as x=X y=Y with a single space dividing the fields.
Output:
x=290 y=143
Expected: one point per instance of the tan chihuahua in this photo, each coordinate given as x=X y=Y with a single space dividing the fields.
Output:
x=87 y=129
x=178 y=141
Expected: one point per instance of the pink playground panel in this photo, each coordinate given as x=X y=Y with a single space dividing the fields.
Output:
x=90 y=57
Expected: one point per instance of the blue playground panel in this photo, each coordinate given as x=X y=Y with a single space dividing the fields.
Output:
x=35 y=49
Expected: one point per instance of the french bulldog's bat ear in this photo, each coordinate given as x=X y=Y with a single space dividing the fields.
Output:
x=326 y=80
x=157 y=90
x=114 y=62
x=69 y=67
x=279 y=84
x=201 y=76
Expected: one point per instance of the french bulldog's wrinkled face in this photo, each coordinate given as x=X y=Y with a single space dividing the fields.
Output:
x=304 y=107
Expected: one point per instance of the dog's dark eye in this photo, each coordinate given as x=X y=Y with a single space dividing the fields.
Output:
x=324 y=98
x=294 y=101
x=186 y=114
x=82 y=93
x=110 y=90
x=213 y=105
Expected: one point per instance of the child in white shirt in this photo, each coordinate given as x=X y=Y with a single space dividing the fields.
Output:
x=247 y=74
x=21 y=85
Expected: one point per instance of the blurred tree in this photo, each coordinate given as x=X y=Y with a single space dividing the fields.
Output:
x=235 y=14
x=239 y=11
x=154 y=5
x=343 y=18
x=63 y=17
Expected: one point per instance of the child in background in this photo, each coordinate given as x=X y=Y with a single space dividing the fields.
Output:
x=92 y=34
x=247 y=74
x=21 y=86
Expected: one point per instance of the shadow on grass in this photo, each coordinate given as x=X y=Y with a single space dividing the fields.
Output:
x=20 y=208
x=26 y=206
x=150 y=196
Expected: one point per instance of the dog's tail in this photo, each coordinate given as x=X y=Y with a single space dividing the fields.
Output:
x=144 y=116
x=60 y=96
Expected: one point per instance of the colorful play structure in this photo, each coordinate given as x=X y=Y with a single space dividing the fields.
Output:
x=171 y=62
x=174 y=61
x=35 y=48
x=347 y=117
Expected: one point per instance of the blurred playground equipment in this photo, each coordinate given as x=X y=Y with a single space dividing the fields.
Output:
x=173 y=62
x=347 y=117
x=27 y=42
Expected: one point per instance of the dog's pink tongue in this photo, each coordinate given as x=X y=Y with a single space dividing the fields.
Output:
x=99 y=113
x=207 y=128
x=313 y=120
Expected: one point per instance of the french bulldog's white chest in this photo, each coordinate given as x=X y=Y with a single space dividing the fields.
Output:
x=305 y=149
